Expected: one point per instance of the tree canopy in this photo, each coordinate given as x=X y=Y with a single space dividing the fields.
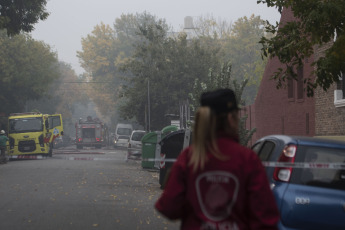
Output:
x=21 y=15
x=243 y=50
x=166 y=67
x=318 y=23
x=140 y=55
x=27 y=68
x=223 y=78
x=103 y=53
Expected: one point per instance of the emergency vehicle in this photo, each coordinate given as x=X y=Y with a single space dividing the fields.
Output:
x=33 y=133
x=91 y=132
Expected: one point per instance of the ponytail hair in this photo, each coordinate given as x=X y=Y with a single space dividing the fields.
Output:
x=204 y=137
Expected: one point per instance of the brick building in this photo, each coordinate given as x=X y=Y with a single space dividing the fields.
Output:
x=289 y=111
x=282 y=111
x=330 y=108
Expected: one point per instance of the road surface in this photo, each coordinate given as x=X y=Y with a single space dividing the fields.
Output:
x=80 y=190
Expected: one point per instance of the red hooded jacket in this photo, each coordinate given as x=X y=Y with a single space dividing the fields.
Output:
x=226 y=194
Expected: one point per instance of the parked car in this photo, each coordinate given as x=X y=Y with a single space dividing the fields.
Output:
x=121 y=141
x=312 y=195
x=134 y=143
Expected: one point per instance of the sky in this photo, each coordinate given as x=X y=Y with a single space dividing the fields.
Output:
x=71 y=20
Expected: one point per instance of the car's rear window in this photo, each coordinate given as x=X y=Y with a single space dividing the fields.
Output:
x=265 y=151
x=328 y=178
x=137 y=136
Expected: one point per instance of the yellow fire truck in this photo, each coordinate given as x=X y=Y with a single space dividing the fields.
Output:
x=33 y=133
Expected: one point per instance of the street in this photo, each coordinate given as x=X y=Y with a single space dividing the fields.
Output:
x=80 y=189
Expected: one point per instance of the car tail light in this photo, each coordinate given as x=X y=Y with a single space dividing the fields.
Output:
x=287 y=156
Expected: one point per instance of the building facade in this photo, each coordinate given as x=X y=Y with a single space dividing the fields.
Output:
x=283 y=111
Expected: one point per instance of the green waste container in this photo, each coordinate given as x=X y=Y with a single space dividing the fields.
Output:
x=168 y=129
x=149 y=144
x=151 y=148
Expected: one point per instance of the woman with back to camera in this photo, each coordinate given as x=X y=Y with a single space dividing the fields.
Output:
x=216 y=183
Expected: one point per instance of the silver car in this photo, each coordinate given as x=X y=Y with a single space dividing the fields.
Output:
x=121 y=141
x=134 y=143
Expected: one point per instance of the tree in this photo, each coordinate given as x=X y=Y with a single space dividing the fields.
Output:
x=103 y=53
x=243 y=50
x=223 y=79
x=98 y=58
x=27 y=68
x=21 y=15
x=169 y=66
x=147 y=67
x=317 y=23
x=238 y=43
x=208 y=26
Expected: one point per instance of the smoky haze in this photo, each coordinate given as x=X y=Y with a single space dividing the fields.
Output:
x=70 y=21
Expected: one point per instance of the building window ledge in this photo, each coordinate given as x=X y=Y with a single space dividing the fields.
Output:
x=338 y=98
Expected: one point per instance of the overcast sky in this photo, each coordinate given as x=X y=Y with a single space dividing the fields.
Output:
x=71 y=20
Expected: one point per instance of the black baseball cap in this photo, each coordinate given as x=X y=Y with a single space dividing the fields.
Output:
x=220 y=100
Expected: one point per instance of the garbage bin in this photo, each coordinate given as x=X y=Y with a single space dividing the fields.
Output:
x=149 y=144
x=150 y=147
x=171 y=147
x=168 y=129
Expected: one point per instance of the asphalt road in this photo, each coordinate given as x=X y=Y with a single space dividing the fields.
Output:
x=80 y=190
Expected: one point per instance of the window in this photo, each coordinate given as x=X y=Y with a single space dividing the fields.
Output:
x=298 y=86
x=339 y=93
x=54 y=121
x=325 y=178
x=290 y=88
x=266 y=150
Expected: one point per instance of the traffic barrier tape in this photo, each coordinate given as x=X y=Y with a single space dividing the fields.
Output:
x=26 y=157
x=318 y=165
x=312 y=165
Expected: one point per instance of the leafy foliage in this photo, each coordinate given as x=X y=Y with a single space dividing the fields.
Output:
x=98 y=58
x=21 y=15
x=243 y=50
x=170 y=65
x=140 y=54
x=27 y=68
x=239 y=44
x=104 y=52
x=319 y=23
x=223 y=79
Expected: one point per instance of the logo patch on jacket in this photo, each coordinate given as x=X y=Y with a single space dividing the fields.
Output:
x=217 y=193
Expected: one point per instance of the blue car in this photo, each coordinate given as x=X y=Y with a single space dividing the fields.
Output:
x=307 y=177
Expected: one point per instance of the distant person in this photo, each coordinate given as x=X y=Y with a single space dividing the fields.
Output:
x=217 y=183
x=3 y=141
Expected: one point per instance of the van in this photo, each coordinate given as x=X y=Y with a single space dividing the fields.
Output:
x=122 y=132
